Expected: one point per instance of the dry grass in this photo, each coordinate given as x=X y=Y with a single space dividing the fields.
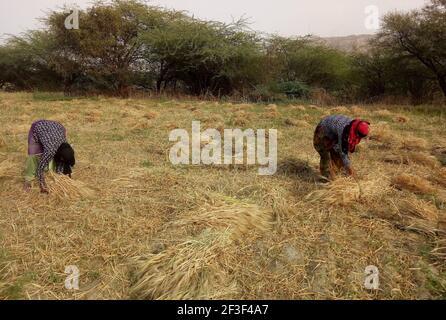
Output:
x=439 y=177
x=2 y=142
x=240 y=219
x=271 y=111
x=345 y=191
x=383 y=113
x=139 y=227
x=419 y=209
x=382 y=133
x=296 y=123
x=358 y=111
x=300 y=108
x=340 y=109
x=410 y=158
x=413 y=184
x=414 y=143
x=401 y=118
x=9 y=169
x=199 y=267
x=63 y=187
x=188 y=270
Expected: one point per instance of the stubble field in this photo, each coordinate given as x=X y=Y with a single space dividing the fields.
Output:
x=141 y=228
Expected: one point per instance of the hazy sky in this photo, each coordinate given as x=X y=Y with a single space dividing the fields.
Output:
x=285 y=17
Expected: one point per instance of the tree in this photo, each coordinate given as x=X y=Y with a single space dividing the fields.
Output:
x=303 y=60
x=204 y=57
x=106 y=48
x=420 y=35
x=25 y=61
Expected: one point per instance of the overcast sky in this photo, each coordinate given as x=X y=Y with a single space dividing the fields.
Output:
x=285 y=17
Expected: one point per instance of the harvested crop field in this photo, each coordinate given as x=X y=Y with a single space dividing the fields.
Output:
x=138 y=227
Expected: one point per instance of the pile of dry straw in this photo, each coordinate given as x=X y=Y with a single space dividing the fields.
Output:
x=199 y=266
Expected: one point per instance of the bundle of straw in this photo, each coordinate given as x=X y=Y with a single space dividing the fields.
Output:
x=414 y=143
x=64 y=187
x=188 y=270
x=419 y=209
x=240 y=219
x=345 y=191
x=423 y=159
x=198 y=268
x=413 y=184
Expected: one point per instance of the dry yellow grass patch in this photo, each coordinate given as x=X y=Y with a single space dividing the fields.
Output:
x=199 y=267
x=423 y=159
x=300 y=108
x=383 y=134
x=413 y=184
x=271 y=107
x=413 y=143
x=271 y=111
x=189 y=270
x=63 y=187
x=383 y=113
x=240 y=119
x=440 y=250
x=416 y=215
x=140 y=124
x=296 y=123
x=18 y=128
x=401 y=118
x=2 y=142
x=439 y=176
x=190 y=242
x=339 y=109
x=345 y=190
x=240 y=219
x=151 y=115
x=358 y=111
x=93 y=115
x=419 y=209
x=6 y=167
x=10 y=169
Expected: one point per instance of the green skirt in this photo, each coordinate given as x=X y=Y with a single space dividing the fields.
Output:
x=32 y=163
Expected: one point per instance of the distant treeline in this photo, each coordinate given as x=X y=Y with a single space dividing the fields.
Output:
x=125 y=47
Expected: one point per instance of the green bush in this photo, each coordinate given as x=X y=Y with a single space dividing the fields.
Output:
x=294 y=89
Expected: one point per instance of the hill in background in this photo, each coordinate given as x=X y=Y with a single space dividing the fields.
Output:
x=349 y=43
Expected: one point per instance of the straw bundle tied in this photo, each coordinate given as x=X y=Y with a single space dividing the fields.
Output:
x=64 y=187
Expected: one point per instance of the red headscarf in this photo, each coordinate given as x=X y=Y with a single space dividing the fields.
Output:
x=358 y=130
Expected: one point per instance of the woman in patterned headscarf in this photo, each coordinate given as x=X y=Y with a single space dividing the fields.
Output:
x=335 y=137
x=47 y=149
